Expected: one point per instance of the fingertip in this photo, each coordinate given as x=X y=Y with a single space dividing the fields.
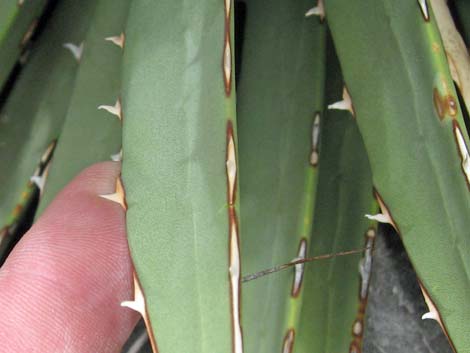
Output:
x=70 y=272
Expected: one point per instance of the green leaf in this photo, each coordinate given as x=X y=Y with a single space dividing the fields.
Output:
x=31 y=120
x=336 y=290
x=407 y=111
x=90 y=134
x=179 y=111
x=280 y=99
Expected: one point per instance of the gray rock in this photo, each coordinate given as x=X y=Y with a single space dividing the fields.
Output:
x=393 y=318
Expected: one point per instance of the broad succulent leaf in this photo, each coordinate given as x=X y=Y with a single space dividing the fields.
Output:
x=336 y=290
x=180 y=172
x=407 y=111
x=31 y=120
x=279 y=107
x=92 y=129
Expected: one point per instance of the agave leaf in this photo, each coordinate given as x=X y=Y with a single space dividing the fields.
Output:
x=335 y=291
x=279 y=100
x=179 y=172
x=18 y=21
x=91 y=134
x=407 y=111
x=33 y=115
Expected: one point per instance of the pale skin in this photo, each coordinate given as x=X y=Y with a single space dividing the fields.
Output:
x=61 y=287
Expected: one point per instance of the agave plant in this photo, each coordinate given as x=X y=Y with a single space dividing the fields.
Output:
x=260 y=142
